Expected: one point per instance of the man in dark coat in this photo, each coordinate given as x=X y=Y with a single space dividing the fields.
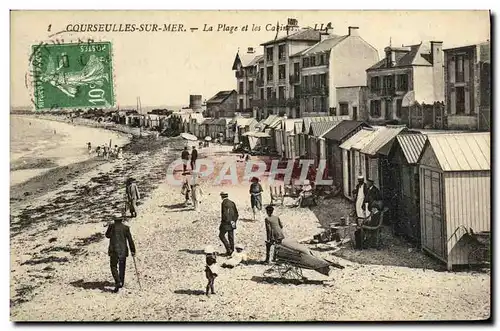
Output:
x=274 y=232
x=185 y=158
x=372 y=195
x=119 y=234
x=229 y=216
x=194 y=157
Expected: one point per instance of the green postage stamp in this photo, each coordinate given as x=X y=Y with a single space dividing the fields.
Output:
x=77 y=75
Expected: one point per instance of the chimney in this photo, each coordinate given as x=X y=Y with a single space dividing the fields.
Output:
x=250 y=50
x=437 y=52
x=353 y=31
x=390 y=56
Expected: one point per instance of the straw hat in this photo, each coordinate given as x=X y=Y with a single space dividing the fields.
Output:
x=224 y=194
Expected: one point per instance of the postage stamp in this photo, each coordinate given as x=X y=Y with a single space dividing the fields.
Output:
x=73 y=75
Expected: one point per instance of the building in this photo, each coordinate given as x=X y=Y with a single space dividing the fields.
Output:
x=223 y=104
x=333 y=77
x=279 y=75
x=246 y=67
x=407 y=86
x=403 y=160
x=333 y=139
x=455 y=194
x=468 y=87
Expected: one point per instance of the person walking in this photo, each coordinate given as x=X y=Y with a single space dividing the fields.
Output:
x=229 y=216
x=196 y=191
x=256 y=196
x=133 y=196
x=274 y=232
x=194 y=157
x=119 y=235
x=185 y=159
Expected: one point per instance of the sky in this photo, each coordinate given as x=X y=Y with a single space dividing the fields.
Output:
x=164 y=68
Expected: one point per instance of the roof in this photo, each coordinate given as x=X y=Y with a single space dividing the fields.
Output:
x=220 y=97
x=255 y=60
x=308 y=120
x=382 y=141
x=246 y=59
x=269 y=120
x=414 y=55
x=319 y=128
x=197 y=116
x=256 y=134
x=343 y=129
x=357 y=137
x=276 y=122
x=325 y=45
x=291 y=123
x=244 y=121
x=304 y=35
x=412 y=146
x=461 y=151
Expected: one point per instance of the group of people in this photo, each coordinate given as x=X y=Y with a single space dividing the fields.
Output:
x=189 y=158
x=106 y=151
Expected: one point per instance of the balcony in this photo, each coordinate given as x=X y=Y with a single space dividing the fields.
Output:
x=282 y=81
x=240 y=74
x=293 y=102
x=295 y=79
x=258 y=103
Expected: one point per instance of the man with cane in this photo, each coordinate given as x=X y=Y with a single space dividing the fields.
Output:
x=119 y=234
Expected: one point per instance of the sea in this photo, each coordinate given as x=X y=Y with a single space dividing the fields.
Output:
x=38 y=145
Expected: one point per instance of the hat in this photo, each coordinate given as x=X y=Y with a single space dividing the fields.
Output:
x=118 y=216
x=209 y=250
x=224 y=194
x=370 y=180
x=360 y=177
x=239 y=247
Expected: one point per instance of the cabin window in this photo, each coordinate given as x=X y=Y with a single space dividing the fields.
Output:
x=344 y=108
x=375 y=108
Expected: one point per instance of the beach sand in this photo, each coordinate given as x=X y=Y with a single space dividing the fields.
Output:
x=60 y=268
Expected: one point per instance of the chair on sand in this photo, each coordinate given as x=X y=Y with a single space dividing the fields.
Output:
x=373 y=232
x=277 y=194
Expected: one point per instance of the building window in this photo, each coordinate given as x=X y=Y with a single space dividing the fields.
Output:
x=261 y=73
x=262 y=94
x=324 y=104
x=241 y=104
x=315 y=81
x=281 y=92
x=354 y=113
x=313 y=61
x=250 y=87
x=240 y=89
x=269 y=73
x=296 y=69
x=269 y=92
x=296 y=91
x=344 y=108
x=281 y=52
x=460 y=91
x=322 y=80
x=459 y=68
x=375 y=84
x=388 y=83
x=322 y=59
x=269 y=52
x=315 y=104
x=306 y=82
x=282 y=71
x=399 y=107
x=305 y=62
x=403 y=82
x=375 y=108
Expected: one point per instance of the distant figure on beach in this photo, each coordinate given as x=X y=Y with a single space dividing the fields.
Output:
x=115 y=150
x=237 y=257
x=274 y=232
x=98 y=151
x=211 y=269
x=185 y=158
x=186 y=191
x=255 y=196
x=229 y=216
x=194 y=157
x=119 y=235
x=133 y=196
x=89 y=147
x=119 y=154
x=196 y=191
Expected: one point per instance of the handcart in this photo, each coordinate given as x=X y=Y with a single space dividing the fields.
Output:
x=291 y=258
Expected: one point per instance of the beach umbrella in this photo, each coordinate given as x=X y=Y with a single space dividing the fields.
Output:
x=188 y=136
x=208 y=138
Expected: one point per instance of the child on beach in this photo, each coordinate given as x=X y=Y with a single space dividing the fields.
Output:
x=237 y=257
x=186 y=191
x=211 y=269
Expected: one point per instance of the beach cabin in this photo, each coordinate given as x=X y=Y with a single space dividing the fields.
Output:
x=455 y=194
x=306 y=127
x=351 y=159
x=374 y=157
x=152 y=121
x=317 y=145
x=335 y=137
x=242 y=125
x=195 y=119
x=404 y=178
x=286 y=135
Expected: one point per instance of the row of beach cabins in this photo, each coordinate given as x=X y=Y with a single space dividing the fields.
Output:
x=435 y=183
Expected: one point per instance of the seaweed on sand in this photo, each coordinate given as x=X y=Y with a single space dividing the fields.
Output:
x=49 y=259
x=96 y=237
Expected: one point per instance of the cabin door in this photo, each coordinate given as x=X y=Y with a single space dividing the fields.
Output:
x=433 y=234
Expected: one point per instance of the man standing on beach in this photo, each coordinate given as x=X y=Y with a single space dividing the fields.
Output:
x=194 y=157
x=229 y=216
x=132 y=196
x=185 y=158
x=119 y=234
